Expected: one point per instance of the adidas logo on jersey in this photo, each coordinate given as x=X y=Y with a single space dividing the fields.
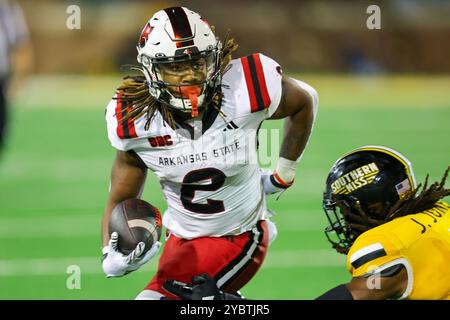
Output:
x=231 y=126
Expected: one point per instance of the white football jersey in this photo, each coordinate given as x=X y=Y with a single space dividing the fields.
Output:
x=208 y=170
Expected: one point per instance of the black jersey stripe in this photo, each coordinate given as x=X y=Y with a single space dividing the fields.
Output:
x=180 y=25
x=256 y=84
x=368 y=257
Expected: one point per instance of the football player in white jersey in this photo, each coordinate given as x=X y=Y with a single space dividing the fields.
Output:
x=193 y=119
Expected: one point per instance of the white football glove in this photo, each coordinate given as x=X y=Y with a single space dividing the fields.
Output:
x=271 y=184
x=116 y=264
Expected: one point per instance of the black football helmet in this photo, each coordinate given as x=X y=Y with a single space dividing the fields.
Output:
x=370 y=179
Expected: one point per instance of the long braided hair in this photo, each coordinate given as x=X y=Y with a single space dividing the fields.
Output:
x=134 y=91
x=415 y=201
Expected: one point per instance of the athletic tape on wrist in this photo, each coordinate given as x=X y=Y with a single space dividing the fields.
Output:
x=286 y=171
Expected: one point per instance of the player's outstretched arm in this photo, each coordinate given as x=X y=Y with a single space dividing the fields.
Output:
x=128 y=176
x=375 y=287
x=298 y=106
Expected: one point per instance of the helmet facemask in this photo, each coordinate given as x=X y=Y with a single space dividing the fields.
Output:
x=338 y=232
x=186 y=96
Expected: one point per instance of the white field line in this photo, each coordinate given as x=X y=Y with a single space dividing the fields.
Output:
x=87 y=226
x=92 y=265
x=65 y=226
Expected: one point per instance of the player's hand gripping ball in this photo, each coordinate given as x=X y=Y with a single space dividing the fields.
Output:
x=135 y=221
x=135 y=228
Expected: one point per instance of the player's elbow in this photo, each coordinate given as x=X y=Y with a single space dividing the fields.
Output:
x=310 y=96
x=314 y=100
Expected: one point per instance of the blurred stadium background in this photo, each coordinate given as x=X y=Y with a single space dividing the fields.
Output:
x=388 y=87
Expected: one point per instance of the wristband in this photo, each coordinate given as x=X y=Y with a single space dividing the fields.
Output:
x=285 y=172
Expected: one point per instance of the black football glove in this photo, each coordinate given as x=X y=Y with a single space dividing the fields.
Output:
x=203 y=288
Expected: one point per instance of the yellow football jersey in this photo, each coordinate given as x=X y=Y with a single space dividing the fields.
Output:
x=420 y=242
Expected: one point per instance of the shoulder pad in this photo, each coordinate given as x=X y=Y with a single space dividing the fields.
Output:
x=256 y=79
x=371 y=251
x=119 y=131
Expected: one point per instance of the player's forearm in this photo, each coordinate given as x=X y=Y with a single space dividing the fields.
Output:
x=118 y=194
x=106 y=215
x=296 y=132
x=128 y=177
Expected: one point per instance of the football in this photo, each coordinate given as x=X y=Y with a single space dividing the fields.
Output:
x=135 y=221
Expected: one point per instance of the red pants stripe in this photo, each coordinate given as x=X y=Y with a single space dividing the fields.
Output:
x=231 y=260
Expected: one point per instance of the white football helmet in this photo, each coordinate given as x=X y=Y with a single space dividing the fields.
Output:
x=179 y=35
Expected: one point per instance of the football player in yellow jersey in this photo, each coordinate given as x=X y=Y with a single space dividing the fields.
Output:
x=396 y=235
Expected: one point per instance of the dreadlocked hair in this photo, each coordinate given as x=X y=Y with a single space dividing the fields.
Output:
x=339 y=248
x=134 y=91
x=415 y=201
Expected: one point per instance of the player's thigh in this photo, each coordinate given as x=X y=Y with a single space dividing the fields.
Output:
x=183 y=259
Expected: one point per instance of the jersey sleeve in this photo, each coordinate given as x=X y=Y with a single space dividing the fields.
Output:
x=263 y=83
x=371 y=253
x=379 y=254
x=119 y=133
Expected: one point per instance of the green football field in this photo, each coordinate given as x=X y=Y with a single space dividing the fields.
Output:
x=54 y=177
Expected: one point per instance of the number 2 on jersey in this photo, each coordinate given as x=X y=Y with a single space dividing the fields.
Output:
x=192 y=182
